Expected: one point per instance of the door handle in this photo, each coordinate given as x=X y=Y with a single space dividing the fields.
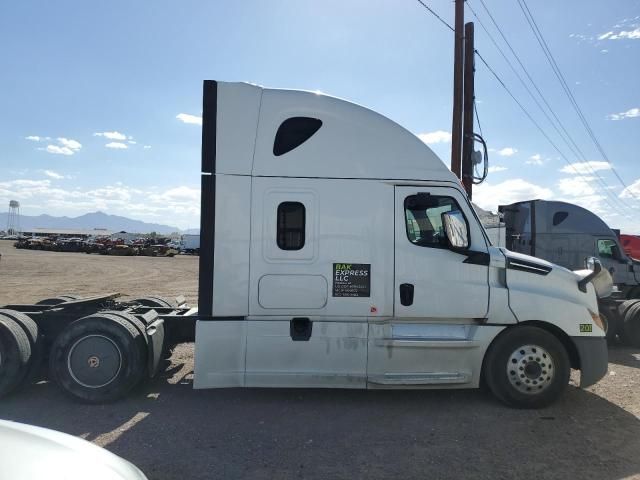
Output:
x=300 y=329
x=406 y=294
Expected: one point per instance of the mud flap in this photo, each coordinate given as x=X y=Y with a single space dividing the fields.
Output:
x=155 y=336
x=594 y=359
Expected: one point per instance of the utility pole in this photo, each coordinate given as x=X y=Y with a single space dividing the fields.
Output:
x=469 y=95
x=456 y=128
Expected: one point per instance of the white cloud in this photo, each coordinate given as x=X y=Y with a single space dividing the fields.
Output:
x=69 y=143
x=56 y=150
x=489 y=196
x=147 y=147
x=52 y=174
x=497 y=168
x=439 y=136
x=507 y=152
x=173 y=205
x=187 y=118
x=117 y=145
x=536 y=160
x=182 y=194
x=632 y=191
x=576 y=186
x=111 y=135
x=33 y=138
x=631 y=113
x=66 y=146
x=132 y=142
x=621 y=35
x=582 y=168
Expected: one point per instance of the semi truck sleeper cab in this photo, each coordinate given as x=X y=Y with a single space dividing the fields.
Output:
x=336 y=250
x=298 y=189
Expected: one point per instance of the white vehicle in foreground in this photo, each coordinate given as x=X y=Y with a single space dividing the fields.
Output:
x=29 y=453
x=337 y=250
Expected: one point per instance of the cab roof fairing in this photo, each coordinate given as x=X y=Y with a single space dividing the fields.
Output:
x=353 y=142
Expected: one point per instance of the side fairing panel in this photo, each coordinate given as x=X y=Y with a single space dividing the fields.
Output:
x=237 y=122
x=231 y=256
x=220 y=353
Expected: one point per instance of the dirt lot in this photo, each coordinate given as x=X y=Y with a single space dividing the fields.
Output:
x=173 y=432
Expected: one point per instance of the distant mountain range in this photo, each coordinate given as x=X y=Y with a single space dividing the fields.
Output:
x=91 y=221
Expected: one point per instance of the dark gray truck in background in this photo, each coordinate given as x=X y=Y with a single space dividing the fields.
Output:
x=567 y=234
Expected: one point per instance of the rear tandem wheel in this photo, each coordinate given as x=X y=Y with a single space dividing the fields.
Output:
x=15 y=355
x=98 y=358
x=57 y=300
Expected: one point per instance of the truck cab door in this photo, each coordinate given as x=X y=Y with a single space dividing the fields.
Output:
x=612 y=258
x=447 y=284
x=441 y=296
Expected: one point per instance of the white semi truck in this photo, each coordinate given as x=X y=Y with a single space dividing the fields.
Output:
x=337 y=251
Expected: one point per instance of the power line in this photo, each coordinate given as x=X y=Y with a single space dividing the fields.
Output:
x=527 y=114
x=475 y=109
x=436 y=15
x=571 y=144
x=556 y=69
x=535 y=123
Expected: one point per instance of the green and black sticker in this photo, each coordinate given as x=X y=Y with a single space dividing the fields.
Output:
x=351 y=279
x=586 y=328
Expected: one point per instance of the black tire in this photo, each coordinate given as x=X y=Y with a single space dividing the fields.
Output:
x=115 y=355
x=153 y=301
x=630 y=334
x=626 y=305
x=57 y=300
x=30 y=328
x=15 y=354
x=634 y=293
x=610 y=325
x=520 y=347
x=133 y=320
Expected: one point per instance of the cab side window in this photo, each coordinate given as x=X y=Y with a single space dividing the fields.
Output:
x=604 y=248
x=423 y=218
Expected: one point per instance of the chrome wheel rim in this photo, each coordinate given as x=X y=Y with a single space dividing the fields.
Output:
x=94 y=361
x=530 y=369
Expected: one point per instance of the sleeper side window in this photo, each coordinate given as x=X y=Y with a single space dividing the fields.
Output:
x=423 y=217
x=559 y=217
x=291 y=226
x=293 y=132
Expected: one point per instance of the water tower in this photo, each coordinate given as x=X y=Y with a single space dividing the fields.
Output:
x=13 y=222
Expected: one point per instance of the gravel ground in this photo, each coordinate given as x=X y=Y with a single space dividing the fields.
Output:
x=173 y=432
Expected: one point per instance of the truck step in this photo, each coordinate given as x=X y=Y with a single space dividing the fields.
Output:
x=431 y=378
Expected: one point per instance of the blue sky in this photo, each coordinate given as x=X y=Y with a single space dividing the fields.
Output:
x=92 y=93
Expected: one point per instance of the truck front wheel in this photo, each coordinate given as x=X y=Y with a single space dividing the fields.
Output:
x=527 y=367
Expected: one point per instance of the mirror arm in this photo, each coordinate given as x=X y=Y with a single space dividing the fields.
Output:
x=582 y=284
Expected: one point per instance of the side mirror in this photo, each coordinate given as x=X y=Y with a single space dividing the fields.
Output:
x=455 y=227
x=593 y=264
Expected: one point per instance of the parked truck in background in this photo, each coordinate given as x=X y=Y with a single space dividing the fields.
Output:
x=190 y=244
x=337 y=251
x=631 y=245
x=566 y=234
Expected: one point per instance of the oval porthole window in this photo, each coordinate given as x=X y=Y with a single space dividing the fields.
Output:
x=559 y=217
x=293 y=132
